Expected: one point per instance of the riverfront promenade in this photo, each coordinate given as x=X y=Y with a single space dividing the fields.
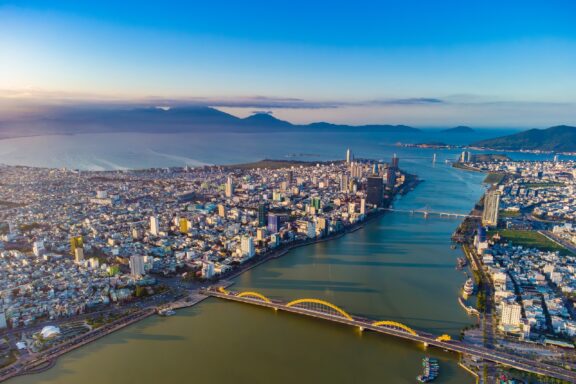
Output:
x=327 y=311
x=35 y=363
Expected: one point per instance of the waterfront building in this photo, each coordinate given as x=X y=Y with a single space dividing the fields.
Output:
x=465 y=157
x=491 y=209
x=348 y=156
x=247 y=246
x=273 y=223
x=363 y=206
x=229 y=187
x=137 y=266
x=375 y=191
x=208 y=270
x=154 y=226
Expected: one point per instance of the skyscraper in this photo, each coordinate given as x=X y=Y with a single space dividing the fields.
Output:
x=262 y=210
x=229 y=187
x=374 y=191
x=348 y=156
x=491 y=208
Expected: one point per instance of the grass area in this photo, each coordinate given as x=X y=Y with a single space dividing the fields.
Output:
x=509 y=213
x=531 y=239
x=494 y=178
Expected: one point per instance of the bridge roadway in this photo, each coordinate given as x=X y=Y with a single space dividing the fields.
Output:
x=426 y=212
x=499 y=357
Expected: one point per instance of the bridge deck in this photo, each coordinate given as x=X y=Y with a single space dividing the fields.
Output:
x=499 y=357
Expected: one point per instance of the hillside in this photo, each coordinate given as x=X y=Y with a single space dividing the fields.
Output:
x=561 y=138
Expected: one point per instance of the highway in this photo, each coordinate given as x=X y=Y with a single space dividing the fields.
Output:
x=492 y=355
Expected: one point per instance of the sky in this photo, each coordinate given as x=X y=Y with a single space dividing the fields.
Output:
x=425 y=63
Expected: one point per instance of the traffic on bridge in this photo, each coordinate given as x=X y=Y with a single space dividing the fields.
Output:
x=327 y=311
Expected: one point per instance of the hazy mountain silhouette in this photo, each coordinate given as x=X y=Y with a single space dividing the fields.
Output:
x=561 y=138
x=158 y=120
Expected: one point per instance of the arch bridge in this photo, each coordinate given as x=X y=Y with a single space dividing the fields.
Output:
x=325 y=310
x=312 y=307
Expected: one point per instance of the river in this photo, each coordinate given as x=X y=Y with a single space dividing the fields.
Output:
x=398 y=267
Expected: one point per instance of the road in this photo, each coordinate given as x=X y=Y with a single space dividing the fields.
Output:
x=488 y=354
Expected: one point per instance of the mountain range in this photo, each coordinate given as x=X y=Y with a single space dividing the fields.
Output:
x=158 y=120
x=561 y=138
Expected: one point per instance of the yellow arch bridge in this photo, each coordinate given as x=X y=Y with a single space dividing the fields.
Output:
x=317 y=306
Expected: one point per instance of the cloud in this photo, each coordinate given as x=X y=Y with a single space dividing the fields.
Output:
x=409 y=101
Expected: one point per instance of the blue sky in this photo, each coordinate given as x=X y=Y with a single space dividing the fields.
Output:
x=426 y=63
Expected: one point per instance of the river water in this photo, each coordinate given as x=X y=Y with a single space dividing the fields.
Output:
x=398 y=267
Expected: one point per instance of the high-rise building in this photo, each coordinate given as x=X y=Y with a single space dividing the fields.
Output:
x=221 y=210
x=260 y=234
x=208 y=270
x=184 y=225
x=76 y=242
x=290 y=177
x=247 y=246
x=154 y=226
x=315 y=202
x=363 y=206
x=311 y=230
x=79 y=255
x=262 y=210
x=511 y=314
x=375 y=191
x=229 y=187
x=348 y=156
x=137 y=265
x=395 y=162
x=344 y=183
x=38 y=248
x=273 y=223
x=465 y=157
x=491 y=208
x=391 y=177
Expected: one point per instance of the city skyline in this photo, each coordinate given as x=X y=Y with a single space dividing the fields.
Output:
x=483 y=64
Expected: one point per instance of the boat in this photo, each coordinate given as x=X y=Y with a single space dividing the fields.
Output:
x=468 y=289
x=431 y=370
x=166 y=312
x=461 y=263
